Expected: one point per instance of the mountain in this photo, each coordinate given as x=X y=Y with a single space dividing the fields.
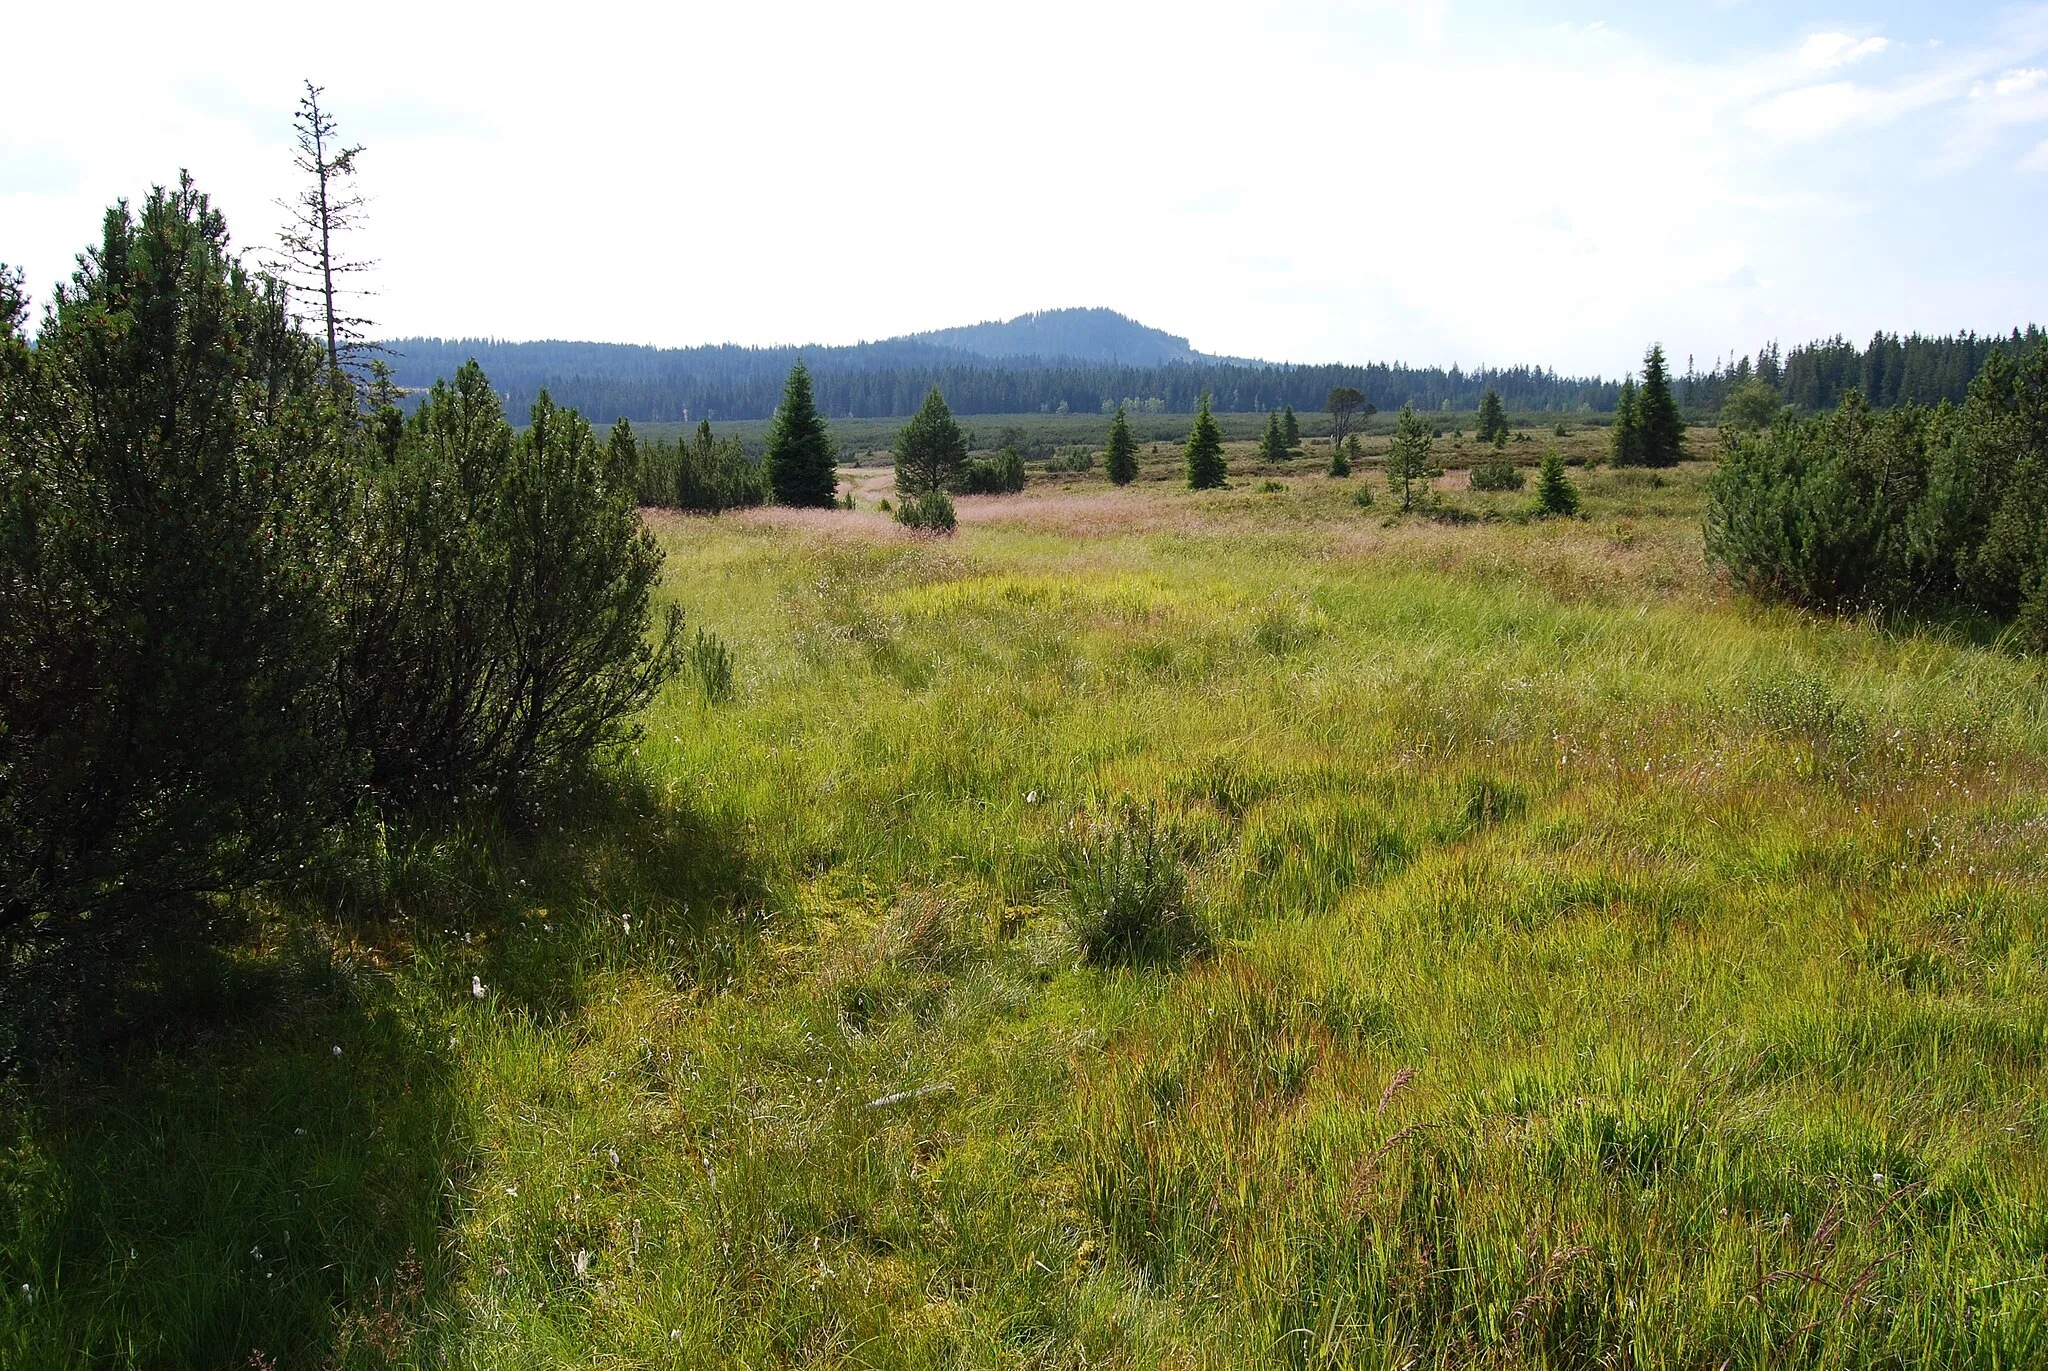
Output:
x=1081 y=335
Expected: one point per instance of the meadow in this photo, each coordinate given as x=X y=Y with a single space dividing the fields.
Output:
x=1598 y=970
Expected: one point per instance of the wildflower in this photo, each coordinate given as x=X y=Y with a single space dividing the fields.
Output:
x=476 y=988
x=337 y=1049
x=582 y=1263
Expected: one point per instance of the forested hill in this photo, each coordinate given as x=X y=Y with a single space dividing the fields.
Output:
x=1080 y=335
x=889 y=379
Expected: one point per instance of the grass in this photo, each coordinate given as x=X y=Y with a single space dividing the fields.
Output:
x=1595 y=971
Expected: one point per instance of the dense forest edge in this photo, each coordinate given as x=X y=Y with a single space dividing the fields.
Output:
x=890 y=379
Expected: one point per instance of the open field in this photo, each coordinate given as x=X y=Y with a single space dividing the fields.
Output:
x=1603 y=972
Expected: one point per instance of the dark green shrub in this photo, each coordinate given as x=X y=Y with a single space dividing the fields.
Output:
x=1002 y=474
x=1126 y=895
x=1498 y=474
x=165 y=508
x=1909 y=509
x=928 y=512
x=703 y=473
x=496 y=601
x=1556 y=496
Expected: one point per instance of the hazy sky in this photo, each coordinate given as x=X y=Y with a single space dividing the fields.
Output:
x=1556 y=182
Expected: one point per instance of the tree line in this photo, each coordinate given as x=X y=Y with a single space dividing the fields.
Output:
x=890 y=380
x=1889 y=370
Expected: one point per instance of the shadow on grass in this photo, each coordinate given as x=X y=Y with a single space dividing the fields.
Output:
x=258 y=1164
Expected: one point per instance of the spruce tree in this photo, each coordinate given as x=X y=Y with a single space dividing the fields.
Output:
x=1657 y=417
x=1493 y=419
x=1408 y=458
x=1206 y=470
x=1273 y=445
x=1627 y=435
x=1122 y=450
x=1290 y=429
x=930 y=450
x=802 y=469
x=1340 y=457
x=1556 y=496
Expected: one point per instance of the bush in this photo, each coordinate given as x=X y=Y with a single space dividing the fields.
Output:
x=496 y=602
x=166 y=505
x=1126 y=895
x=1002 y=474
x=929 y=512
x=1911 y=509
x=1556 y=496
x=1362 y=497
x=1498 y=474
x=701 y=473
x=230 y=613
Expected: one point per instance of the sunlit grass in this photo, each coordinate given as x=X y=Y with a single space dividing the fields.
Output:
x=1601 y=972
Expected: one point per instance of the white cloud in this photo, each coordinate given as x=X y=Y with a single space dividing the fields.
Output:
x=1826 y=51
x=1418 y=182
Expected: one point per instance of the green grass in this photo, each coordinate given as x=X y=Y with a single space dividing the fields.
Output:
x=1599 y=972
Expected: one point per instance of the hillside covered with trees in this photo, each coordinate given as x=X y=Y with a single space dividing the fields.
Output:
x=1091 y=361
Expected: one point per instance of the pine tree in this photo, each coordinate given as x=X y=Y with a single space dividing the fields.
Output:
x=1340 y=457
x=802 y=470
x=1556 y=496
x=1627 y=435
x=1493 y=419
x=1290 y=428
x=622 y=456
x=1408 y=459
x=1206 y=469
x=1123 y=450
x=930 y=449
x=1657 y=418
x=1273 y=445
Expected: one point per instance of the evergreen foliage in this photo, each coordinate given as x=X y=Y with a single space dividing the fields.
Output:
x=1658 y=422
x=1205 y=465
x=1493 y=419
x=1410 y=464
x=703 y=473
x=1752 y=405
x=1290 y=429
x=1273 y=443
x=497 y=601
x=1626 y=437
x=928 y=511
x=803 y=469
x=1497 y=473
x=1002 y=474
x=1340 y=457
x=930 y=450
x=1556 y=496
x=164 y=517
x=1907 y=509
x=231 y=612
x=1122 y=450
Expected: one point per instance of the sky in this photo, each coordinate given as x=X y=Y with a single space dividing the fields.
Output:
x=1299 y=180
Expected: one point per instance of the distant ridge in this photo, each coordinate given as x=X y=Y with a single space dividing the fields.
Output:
x=1081 y=335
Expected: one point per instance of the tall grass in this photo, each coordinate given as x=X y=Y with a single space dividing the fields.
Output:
x=1600 y=973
